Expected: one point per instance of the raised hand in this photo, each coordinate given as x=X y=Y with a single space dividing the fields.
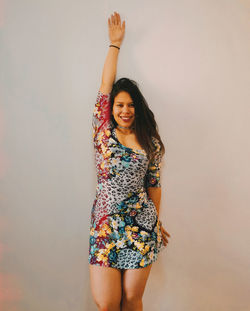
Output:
x=116 y=30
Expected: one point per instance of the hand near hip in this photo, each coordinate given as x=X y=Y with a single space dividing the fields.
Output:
x=164 y=235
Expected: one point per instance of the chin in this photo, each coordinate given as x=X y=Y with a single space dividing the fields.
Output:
x=125 y=124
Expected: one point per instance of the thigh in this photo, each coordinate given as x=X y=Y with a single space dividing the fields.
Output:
x=134 y=281
x=105 y=284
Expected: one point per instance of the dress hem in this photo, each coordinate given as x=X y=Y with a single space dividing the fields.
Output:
x=110 y=266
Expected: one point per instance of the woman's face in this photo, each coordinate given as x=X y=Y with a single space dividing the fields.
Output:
x=123 y=109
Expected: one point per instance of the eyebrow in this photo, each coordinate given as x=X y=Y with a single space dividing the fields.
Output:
x=123 y=102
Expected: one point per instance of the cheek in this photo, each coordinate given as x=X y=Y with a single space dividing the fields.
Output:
x=115 y=113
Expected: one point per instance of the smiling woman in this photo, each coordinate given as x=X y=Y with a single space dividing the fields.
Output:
x=125 y=232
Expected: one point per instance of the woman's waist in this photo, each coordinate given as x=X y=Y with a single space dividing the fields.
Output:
x=109 y=187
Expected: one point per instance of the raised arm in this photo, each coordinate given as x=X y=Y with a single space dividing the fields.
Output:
x=116 y=34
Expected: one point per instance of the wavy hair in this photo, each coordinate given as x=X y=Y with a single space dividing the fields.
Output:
x=144 y=124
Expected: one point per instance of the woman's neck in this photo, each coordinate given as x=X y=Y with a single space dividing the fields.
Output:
x=125 y=130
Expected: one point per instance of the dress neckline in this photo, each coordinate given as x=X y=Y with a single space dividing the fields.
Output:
x=135 y=150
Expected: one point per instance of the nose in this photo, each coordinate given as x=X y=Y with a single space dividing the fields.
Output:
x=125 y=109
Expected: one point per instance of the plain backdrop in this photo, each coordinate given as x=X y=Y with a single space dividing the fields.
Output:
x=191 y=61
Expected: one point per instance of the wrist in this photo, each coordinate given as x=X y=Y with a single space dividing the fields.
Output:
x=116 y=43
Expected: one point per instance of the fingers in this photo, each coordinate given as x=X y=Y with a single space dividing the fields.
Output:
x=166 y=232
x=118 y=18
x=165 y=240
x=115 y=20
x=164 y=236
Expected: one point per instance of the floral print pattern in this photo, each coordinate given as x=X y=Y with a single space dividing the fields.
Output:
x=124 y=229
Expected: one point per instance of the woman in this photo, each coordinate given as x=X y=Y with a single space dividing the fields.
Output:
x=125 y=233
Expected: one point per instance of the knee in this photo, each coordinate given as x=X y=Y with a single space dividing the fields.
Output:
x=132 y=300
x=106 y=305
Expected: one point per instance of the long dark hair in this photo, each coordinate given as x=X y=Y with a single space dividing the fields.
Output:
x=145 y=124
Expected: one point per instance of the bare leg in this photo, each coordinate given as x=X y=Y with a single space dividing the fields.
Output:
x=106 y=287
x=134 y=282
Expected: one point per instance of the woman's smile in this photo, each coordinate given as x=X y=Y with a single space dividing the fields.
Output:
x=126 y=119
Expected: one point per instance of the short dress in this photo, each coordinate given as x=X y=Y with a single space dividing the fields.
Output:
x=124 y=228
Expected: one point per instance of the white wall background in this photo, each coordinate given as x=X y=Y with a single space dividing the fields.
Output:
x=191 y=59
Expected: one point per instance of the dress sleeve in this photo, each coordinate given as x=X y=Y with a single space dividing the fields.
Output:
x=153 y=171
x=101 y=116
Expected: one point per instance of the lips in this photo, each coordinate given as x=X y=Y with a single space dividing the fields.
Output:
x=126 y=119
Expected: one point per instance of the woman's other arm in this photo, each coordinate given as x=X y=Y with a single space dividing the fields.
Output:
x=155 y=196
x=116 y=34
x=153 y=180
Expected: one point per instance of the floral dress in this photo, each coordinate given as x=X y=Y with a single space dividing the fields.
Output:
x=124 y=227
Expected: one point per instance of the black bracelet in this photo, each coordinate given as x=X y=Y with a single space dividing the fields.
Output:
x=114 y=46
